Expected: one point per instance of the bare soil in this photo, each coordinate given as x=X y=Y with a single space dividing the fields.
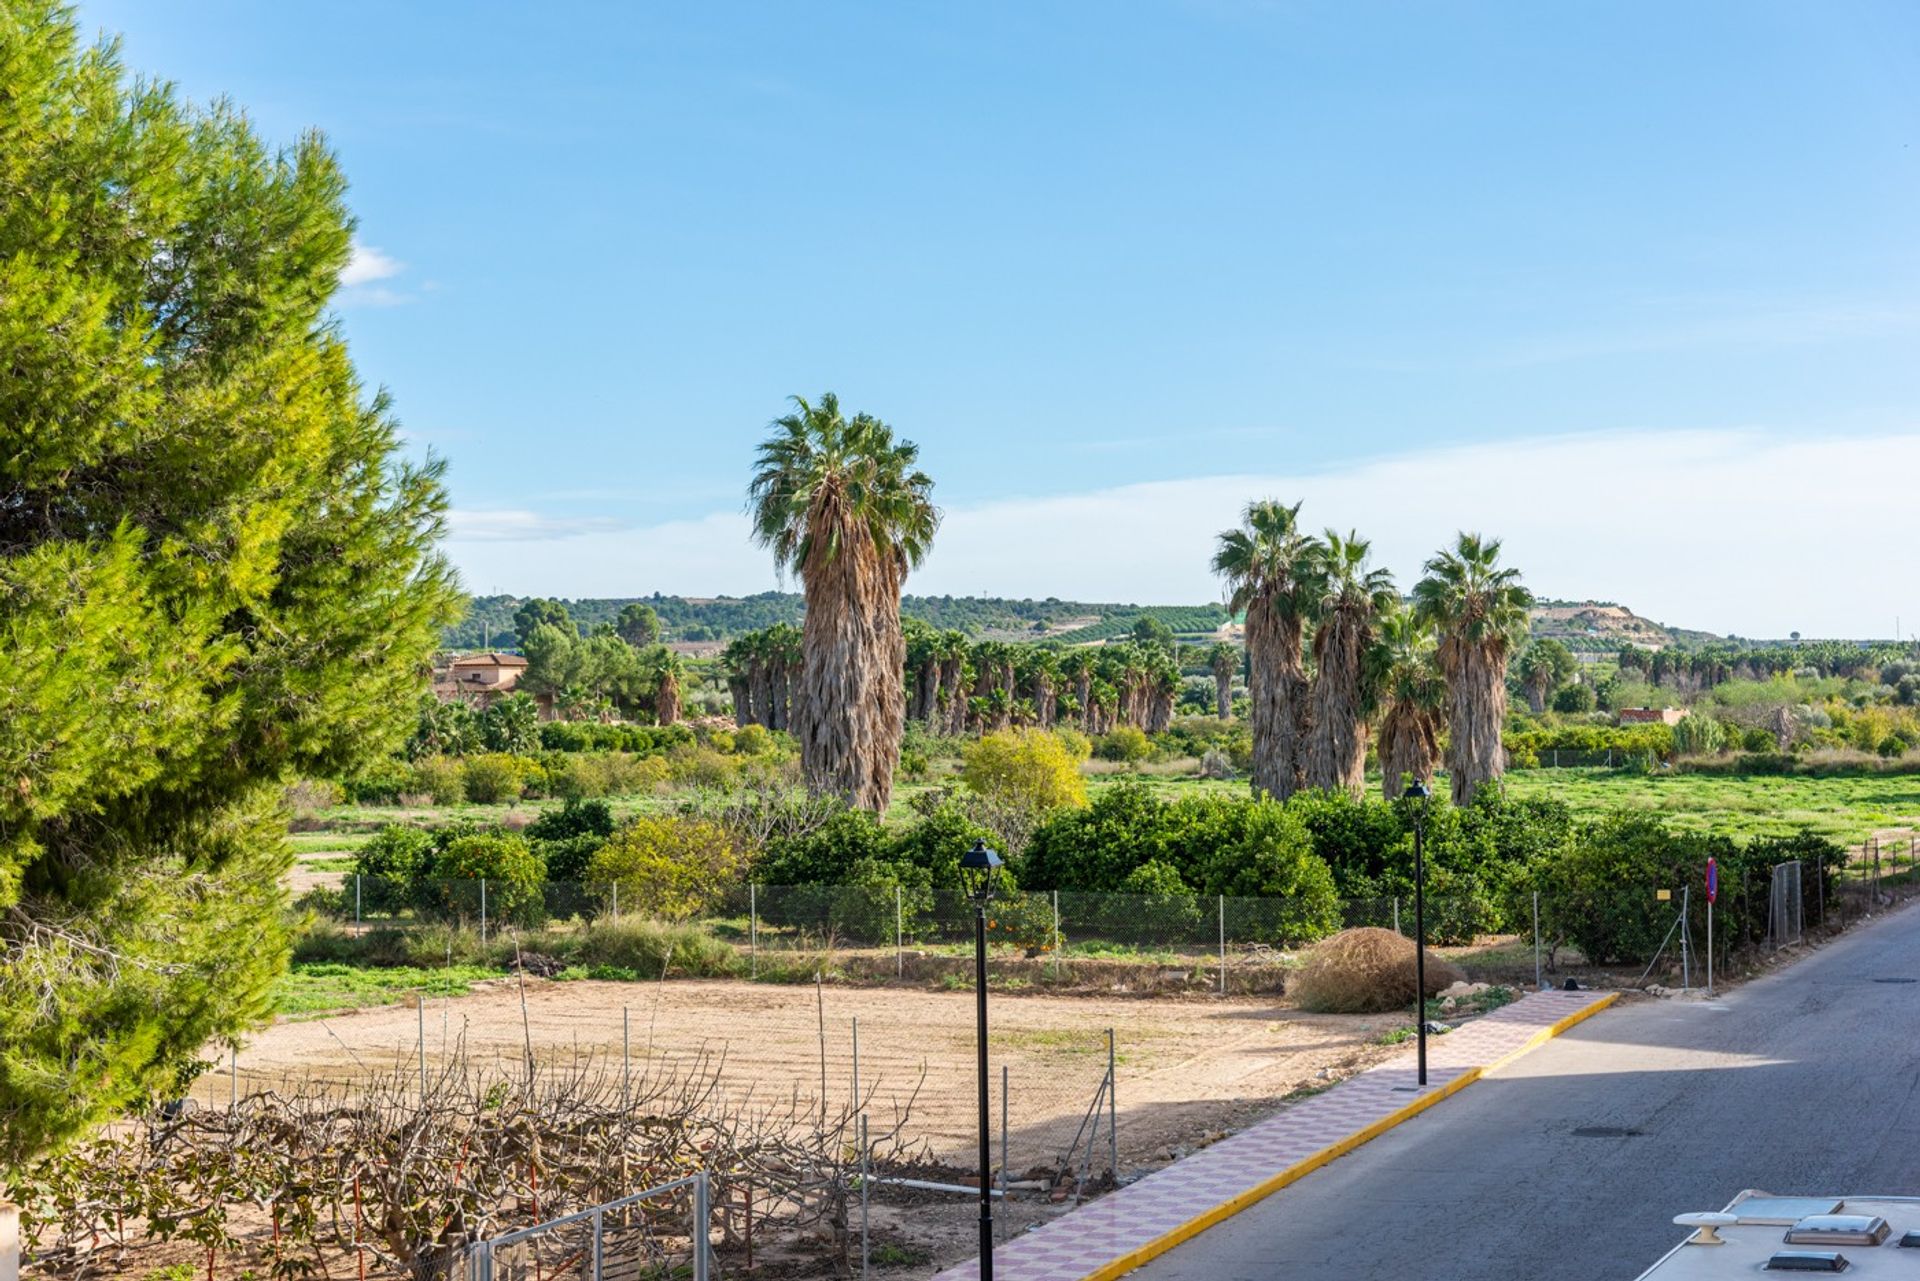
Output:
x=1186 y=1066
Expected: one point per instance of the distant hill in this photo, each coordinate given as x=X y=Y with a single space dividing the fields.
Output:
x=489 y=619
x=1592 y=627
x=1603 y=627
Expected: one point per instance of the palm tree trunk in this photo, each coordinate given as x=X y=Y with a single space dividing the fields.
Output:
x=1476 y=713
x=1409 y=748
x=666 y=701
x=1223 y=695
x=742 y=701
x=1278 y=687
x=1336 y=755
x=849 y=708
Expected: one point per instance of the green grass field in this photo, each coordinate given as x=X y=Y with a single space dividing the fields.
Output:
x=1848 y=809
x=317 y=987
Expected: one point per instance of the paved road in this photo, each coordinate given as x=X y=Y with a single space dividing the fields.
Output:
x=1804 y=1081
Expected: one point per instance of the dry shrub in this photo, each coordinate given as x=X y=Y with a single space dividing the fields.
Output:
x=1365 y=971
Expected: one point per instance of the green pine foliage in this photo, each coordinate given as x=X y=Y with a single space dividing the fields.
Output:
x=216 y=575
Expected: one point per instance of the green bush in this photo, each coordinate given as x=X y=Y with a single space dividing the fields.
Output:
x=1126 y=744
x=1154 y=906
x=389 y=866
x=649 y=948
x=825 y=855
x=450 y=886
x=1599 y=893
x=669 y=866
x=383 y=782
x=494 y=777
x=441 y=778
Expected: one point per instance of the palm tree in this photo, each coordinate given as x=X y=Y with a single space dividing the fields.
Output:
x=668 y=671
x=841 y=503
x=1223 y=660
x=953 y=682
x=734 y=663
x=1273 y=573
x=923 y=669
x=1040 y=673
x=1415 y=697
x=1347 y=663
x=1077 y=667
x=1479 y=611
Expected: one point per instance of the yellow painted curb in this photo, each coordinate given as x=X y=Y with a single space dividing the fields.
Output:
x=1300 y=1169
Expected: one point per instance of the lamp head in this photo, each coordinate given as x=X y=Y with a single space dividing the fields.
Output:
x=980 y=872
x=1417 y=790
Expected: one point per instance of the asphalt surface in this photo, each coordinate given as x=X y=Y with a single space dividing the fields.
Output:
x=1800 y=1082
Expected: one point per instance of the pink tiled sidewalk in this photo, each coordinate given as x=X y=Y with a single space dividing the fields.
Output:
x=1085 y=1240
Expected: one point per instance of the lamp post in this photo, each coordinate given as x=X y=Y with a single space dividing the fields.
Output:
x=980 y=875
x=1417 y=790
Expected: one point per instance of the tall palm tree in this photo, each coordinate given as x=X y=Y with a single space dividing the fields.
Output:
x=1347 y=663
x=1223 y=660
x=1479 y=611
x=953 y=682
x=1077 y=667
x=668 y=672
x=841 y=503
x=1040 y=674
x=1415 y=697
x=1272 y=571
x=736 y=666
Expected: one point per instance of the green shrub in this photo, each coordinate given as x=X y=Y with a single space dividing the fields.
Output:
x=1600 y=892
x=753 y=740
x=669 y=866
x=1154 y=906
x=1030 y=769
x=697 y=765
x=441 y=778
x=1126 y=744
x=824 y=855
x=494 y=777
x=383 y=782
x=389 y=866
x=648 y=948
x=450 y=886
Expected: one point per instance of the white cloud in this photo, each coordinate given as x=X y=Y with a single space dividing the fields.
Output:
x=368 y=265
x=521 y=526
x=1726 y=531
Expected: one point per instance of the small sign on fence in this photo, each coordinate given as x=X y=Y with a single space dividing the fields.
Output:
x=1664 y=896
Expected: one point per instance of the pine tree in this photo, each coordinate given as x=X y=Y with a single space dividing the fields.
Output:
x=216 y=575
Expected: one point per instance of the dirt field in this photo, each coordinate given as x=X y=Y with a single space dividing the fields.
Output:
x=1186 y=1067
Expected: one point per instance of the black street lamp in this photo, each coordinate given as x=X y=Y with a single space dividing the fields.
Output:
x=1418 y=792
x=980 y=875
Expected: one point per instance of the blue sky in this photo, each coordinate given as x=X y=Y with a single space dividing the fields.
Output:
x=1627 y=283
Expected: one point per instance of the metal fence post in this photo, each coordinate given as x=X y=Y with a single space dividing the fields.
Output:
x=616 y=900
x=701 y=1225
x=865 y=1179
x=1113 y=1109
x=356 y=901
x=1223 y=945
x=856 y=1061
x=1537 y=984
x=483 y=911
x=233 y=1078
x=421 y=1008
x=1396 y=914
x=1004 y=1176
x=626 y=1062
x=1686 y=966
x=1056 y=933
x=899 y=936
x=597 y=1254
x=753 y=931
